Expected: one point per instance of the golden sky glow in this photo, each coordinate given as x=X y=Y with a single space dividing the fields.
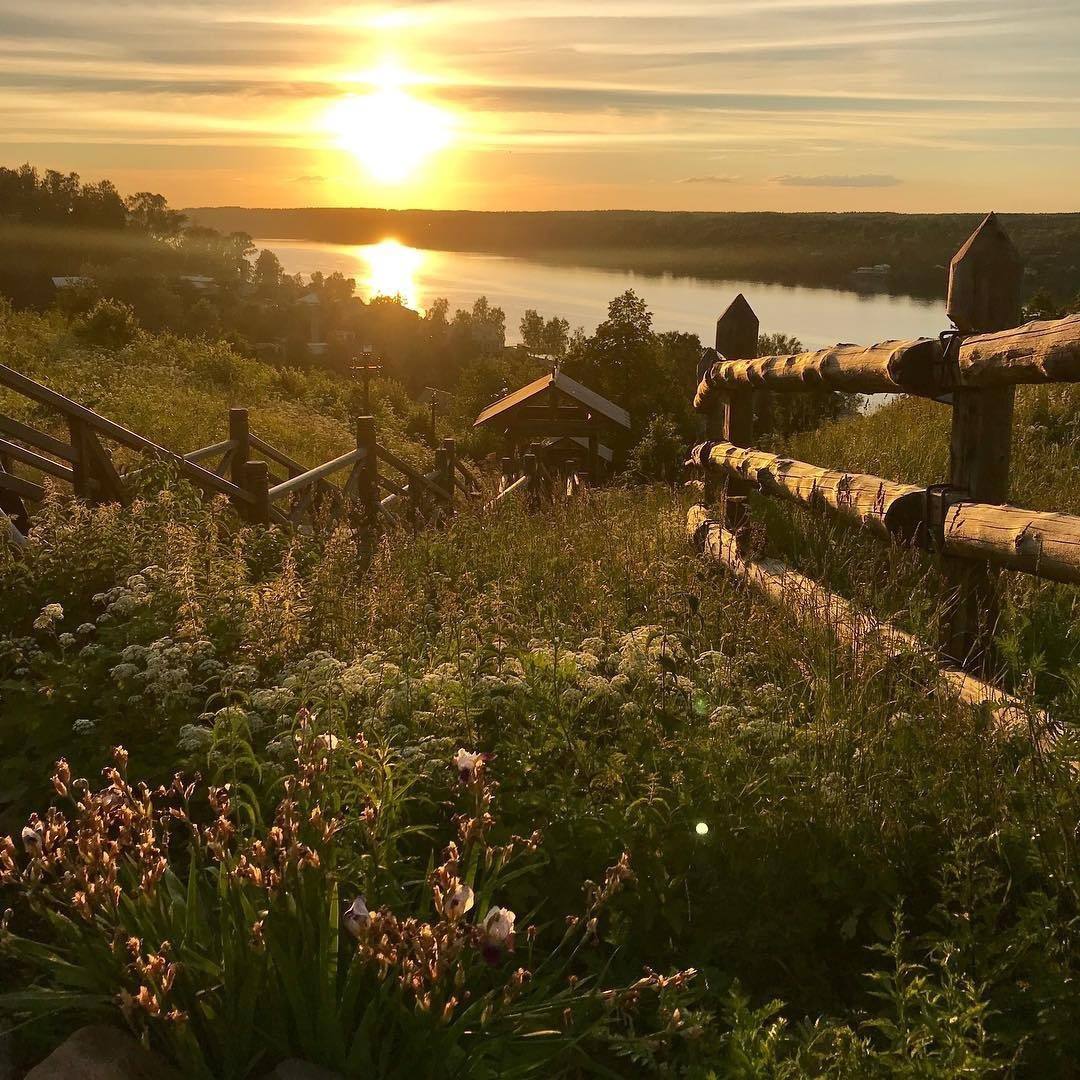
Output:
x=489 y=104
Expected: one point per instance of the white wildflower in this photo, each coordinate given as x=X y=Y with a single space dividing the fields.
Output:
x=459 y=902
x=356 y=918
x=468 y=765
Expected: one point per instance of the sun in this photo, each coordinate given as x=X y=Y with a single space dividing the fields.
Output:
x=389 y=131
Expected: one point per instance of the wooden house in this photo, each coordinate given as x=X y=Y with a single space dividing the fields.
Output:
x=560 y=420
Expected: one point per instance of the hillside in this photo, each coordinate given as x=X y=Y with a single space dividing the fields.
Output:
x=864 y=878
x=797 y=248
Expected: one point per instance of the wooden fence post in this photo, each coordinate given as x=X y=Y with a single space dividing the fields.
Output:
x=256 y=481
x=367 y=470
x=985 y=280
x=440 y=470
x=240 y=436
x=450 y=448
x=507 y=466
x=532 y=485
x=736 y=339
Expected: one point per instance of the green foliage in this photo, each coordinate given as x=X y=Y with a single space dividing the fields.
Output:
x=626 y=694
x=109 y=323
x=549 y=338
x=788 y=414
x=659 y=453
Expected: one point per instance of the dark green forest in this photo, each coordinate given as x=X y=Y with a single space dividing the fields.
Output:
x=796 y=249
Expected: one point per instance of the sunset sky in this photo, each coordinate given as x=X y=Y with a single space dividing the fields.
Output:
x=554 y=104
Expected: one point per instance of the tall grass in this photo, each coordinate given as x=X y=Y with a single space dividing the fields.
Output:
x=867 y=878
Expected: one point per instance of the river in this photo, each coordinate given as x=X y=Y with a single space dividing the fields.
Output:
x=818 y=317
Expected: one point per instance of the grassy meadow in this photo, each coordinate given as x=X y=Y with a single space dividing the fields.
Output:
x=697 y=840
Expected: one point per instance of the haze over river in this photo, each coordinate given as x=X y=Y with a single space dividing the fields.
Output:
x=818 y=317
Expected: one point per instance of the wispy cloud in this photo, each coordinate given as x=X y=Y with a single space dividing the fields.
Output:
x=843 y=103
x=712 y=179
x=864 y=180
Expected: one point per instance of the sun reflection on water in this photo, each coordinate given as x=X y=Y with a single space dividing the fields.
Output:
x=390 y=269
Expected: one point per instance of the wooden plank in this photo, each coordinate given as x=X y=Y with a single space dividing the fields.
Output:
x=295 y=483
x=412 y=474
x=15 y=429
x=553 y=428
x=209 y=451
x=108 y=486
x=257 y=442
x=1038 y=352
x=25 y=489
x=912 y=367
x=37 y=461
x=1044 y=544
x=894 y=510
x=518 y=485
x=466 y=472
x=813 y=605
x=199 y=476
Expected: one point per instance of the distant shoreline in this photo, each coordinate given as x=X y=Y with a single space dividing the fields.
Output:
x=786 y=248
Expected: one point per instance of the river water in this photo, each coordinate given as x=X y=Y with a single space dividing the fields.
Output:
x=818 y=317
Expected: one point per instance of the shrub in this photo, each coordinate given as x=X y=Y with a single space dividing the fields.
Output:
x=110 y=324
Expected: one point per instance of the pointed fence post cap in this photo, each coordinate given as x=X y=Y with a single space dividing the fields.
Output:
x=985 y=279
x=737 y=331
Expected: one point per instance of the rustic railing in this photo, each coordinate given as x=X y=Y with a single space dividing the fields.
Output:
x=966 y=521
x=255 y=485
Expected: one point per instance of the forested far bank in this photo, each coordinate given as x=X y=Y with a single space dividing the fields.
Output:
x=797 y=248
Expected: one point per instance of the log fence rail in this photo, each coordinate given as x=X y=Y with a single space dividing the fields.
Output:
x=966 y=521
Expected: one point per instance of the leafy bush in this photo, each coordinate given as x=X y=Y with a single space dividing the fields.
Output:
x=110 y=324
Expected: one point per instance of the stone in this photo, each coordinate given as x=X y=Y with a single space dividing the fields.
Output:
x=99 y=1052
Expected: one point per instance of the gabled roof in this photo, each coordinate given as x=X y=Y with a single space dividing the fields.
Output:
x=589 y=399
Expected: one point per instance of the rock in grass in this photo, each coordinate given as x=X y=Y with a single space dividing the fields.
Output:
x=98 y=1052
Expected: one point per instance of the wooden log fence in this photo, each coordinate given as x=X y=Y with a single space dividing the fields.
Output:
x=259 y=493
x=1040 y=352
x=820 y=609
x=967 y=521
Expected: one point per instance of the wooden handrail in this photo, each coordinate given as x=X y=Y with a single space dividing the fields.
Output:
x=39 y=440
x=466 y=472
x=1043 y=544
x=203 y=478
x=193 y=456
x=413 y=474
x=26 y=489
x=209 y=451
x=1038 y=352
x=518 y=485
x=889 y=508
x=890 y=367
x=37 y=461
x=1046 y=545
x=295 y=483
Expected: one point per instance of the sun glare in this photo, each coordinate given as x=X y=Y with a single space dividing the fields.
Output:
x=389 y=131
x=391 y=270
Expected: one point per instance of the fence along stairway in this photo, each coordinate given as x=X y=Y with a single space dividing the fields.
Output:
x=250 y=486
